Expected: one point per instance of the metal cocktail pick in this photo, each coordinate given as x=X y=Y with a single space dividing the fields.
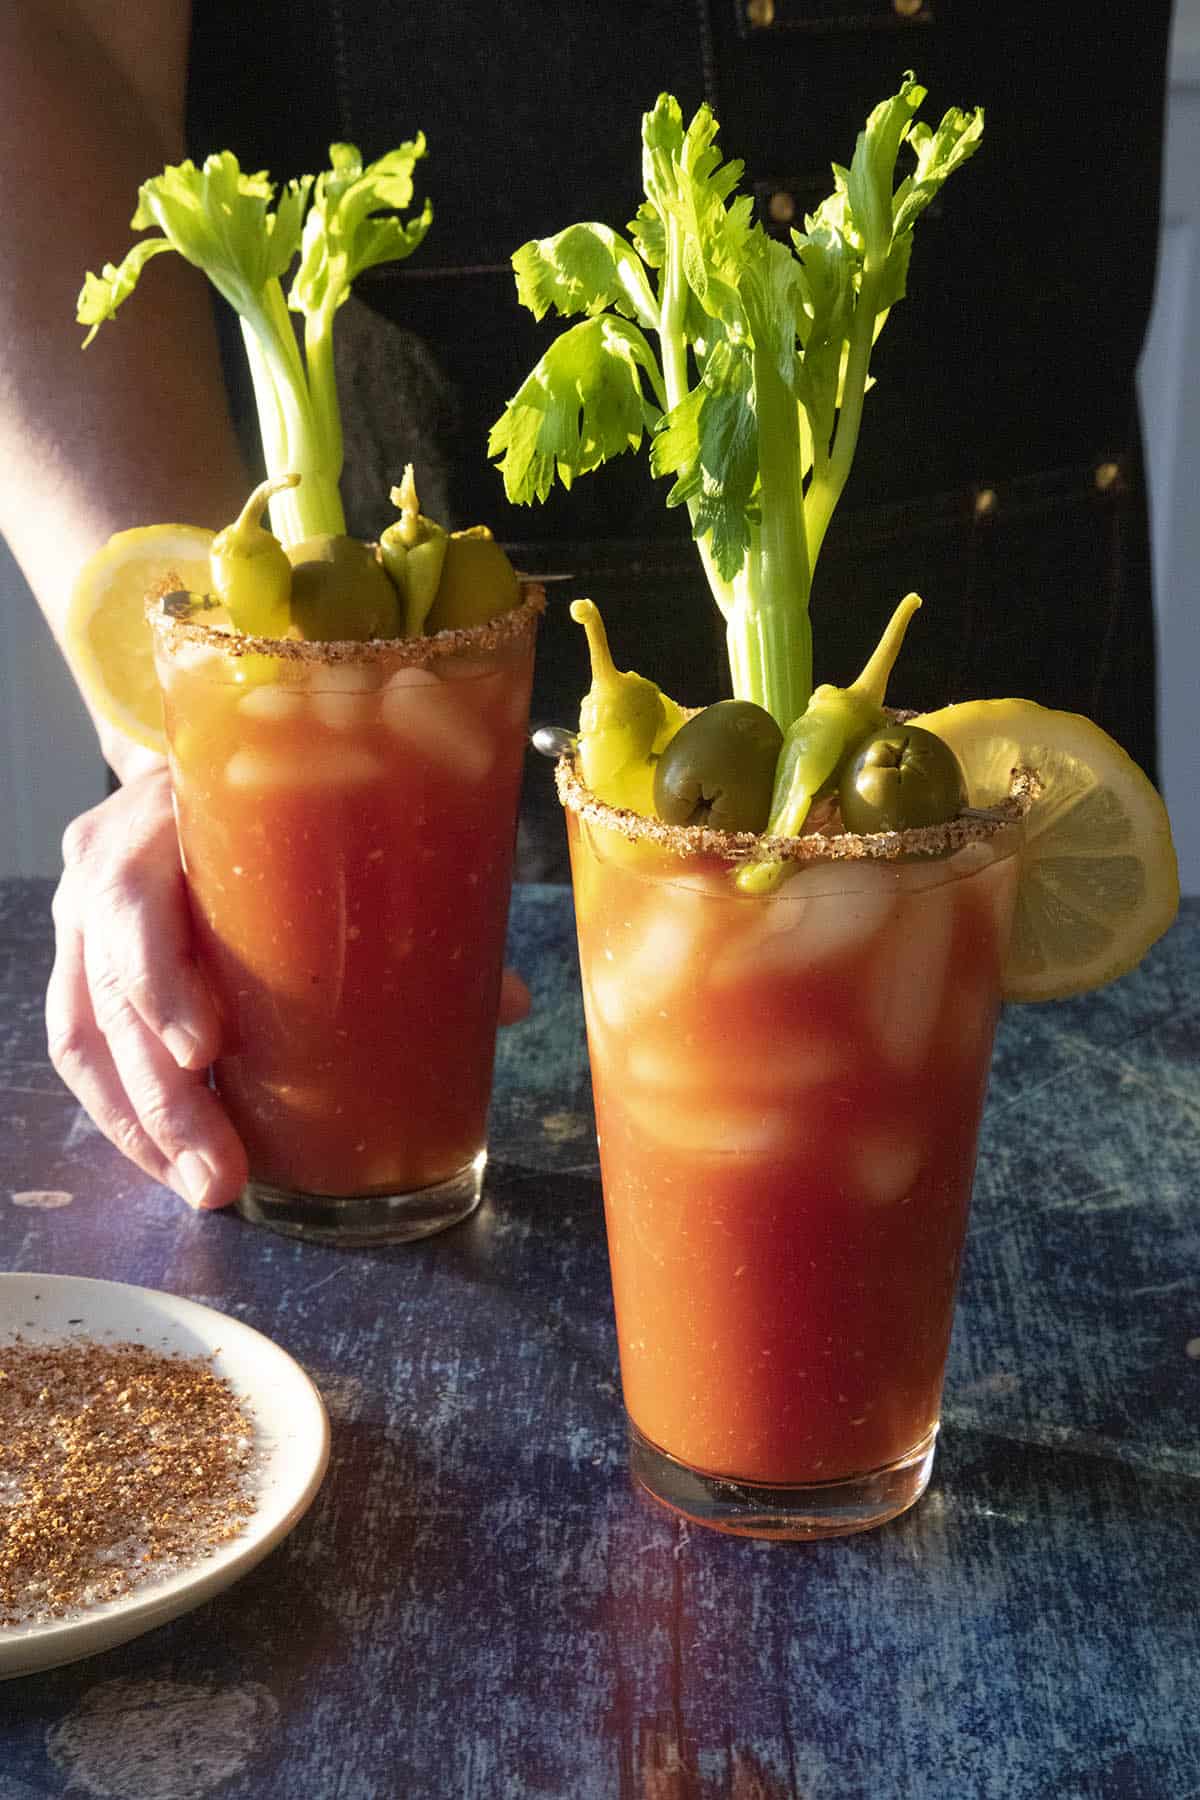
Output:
x=553 y=740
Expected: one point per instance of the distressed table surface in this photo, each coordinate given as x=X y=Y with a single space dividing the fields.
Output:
x=478 y=1606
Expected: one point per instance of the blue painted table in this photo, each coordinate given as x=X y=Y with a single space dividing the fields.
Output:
x=478 y=1606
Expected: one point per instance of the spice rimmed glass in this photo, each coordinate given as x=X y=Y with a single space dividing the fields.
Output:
x=788 y=1091
x=346 y=818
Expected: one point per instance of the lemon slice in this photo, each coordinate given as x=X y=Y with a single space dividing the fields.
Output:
x=1099 y=882
x=108 y=639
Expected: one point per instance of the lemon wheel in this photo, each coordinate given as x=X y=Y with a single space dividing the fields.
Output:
x=108 y=639
x=1099 y=882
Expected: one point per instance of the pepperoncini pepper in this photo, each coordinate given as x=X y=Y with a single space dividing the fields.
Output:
x=413 y=551
x=625 y=721
x=251 y=574
x=816 y=745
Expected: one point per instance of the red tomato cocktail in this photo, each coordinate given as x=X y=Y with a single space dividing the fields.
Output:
x=788 y=1091
x=347 y=816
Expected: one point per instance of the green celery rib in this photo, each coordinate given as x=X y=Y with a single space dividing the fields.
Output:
x=768 y=629
x=322 y=387
x=673 y=349
x=769 y=640
x=825 y=489
x=292 y=440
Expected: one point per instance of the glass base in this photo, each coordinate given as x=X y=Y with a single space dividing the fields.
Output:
x=355 y=1220
x=761 y=1510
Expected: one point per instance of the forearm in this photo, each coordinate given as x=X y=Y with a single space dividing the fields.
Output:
x=135 y=430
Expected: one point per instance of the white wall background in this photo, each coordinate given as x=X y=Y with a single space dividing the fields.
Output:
x=50 y=769
x=1170 y=393
x=1187 y=26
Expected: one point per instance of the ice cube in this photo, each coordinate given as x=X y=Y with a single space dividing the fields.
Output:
x=344 y=678
x=439 y=724
x=763 y=949
x=411 y=677
x=340 y=712
x=342 y=765
x=783 y=1070
x=604 y=992
x=712 y=1126
x=789 y=933
x=704 y=881
x=271 y=702
x=633 y=974
x=201 y=658
x=885 y=1166
x=666 y=951
x=839 y=923
x=925 y=872
x=906 y=984
x=642 y=946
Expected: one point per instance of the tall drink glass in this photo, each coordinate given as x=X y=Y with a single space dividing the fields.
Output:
x=346 y=818
x=788 y=1092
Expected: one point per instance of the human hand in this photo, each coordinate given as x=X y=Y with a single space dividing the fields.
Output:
x=131 y=1026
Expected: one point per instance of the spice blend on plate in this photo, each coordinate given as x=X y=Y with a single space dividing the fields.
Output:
x=118 y=1466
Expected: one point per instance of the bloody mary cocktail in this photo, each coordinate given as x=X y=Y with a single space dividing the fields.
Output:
x=346 y=815
x=345 y=723
x=797 y=909
x=788 y=1090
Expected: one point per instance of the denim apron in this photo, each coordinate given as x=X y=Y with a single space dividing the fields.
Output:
x=998 y=470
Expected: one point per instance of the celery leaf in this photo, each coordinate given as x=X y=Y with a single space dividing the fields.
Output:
x=101 y=294
x=939 y=153
x=584 y=269
x=219 y=218
x=582 y=405
x=345 y=233
x=872 y=172
x=709 y=441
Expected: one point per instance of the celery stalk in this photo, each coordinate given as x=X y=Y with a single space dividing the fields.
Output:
x=339 y=223
x=754 y=396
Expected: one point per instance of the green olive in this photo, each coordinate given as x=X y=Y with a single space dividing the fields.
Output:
x=340 y=590
x=476 y=584
x=719 y=768
x=900 y=779
x=180 y=604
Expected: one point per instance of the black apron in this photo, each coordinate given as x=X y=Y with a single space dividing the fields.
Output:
x=998 y=469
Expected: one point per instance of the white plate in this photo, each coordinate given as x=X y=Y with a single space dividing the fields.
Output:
x=291 y=1429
